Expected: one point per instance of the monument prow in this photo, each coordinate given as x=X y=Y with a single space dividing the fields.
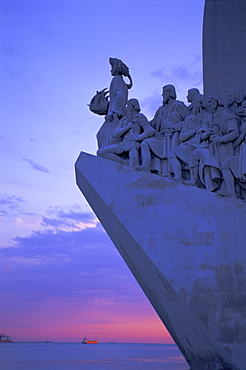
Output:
x=184 y=244
x=188 y=258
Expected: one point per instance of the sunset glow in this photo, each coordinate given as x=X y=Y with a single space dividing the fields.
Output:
x=61 y=278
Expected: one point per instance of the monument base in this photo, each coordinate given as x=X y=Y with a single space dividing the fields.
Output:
x=186 y=248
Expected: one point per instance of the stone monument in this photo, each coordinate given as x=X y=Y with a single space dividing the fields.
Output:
x=171 y=194
x=224 y=51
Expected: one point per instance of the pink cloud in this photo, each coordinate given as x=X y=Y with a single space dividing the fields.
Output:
x=62 y=285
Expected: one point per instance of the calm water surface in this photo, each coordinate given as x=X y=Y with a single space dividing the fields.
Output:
x=101 y=356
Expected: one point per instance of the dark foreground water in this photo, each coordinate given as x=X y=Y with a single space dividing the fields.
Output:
x=101 y=356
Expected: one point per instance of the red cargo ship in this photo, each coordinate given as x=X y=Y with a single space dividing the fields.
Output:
x=5 y=338
x=86 y=341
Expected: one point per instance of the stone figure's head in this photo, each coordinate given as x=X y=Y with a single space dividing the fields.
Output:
x=198 y=102
x=235 y=96
x=133 y=104
x=213 y=101
x=118 y=68
x=168 y=92
x=191 y=93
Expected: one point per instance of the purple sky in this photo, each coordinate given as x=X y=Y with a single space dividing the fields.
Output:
x=61 y=277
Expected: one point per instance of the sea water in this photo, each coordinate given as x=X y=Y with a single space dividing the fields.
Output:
x=101 y=356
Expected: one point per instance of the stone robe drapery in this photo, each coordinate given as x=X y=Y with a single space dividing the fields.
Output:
x=237 y=163
x=164 y=120
x=211 y=153
x=140 y=124
x=189 y=137
x=127 y=141
x=118 y=93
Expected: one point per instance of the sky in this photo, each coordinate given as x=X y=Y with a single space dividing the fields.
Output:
x=61 y=278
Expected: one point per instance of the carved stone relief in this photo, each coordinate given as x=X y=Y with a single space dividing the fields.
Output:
x=202 y=145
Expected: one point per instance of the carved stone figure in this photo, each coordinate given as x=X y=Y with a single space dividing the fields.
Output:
x=131 y=130
x=219 y=130
x=118 y=95
x=234 y=168
x=118 y=90
x=235 y=98
x=167 y=123
x=178 y=139
x=190 y=95
x=180 y=156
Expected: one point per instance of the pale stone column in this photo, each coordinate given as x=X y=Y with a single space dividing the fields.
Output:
x=224 y=46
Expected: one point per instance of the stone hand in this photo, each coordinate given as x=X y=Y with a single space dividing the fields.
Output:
x=169 y=125
x=129 y=125
x=216 y=139
x=177 y=127
x=195 y=130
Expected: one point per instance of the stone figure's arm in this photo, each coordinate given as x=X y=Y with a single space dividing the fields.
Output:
x=186 y=134
x=183 y=111
x=156 y=118
x=122 y=128
x=178 y=126
x=241 y=137
x=148 y=130
x=232 y=131
x=118 y=96
x=205 y=131
x=118 y=100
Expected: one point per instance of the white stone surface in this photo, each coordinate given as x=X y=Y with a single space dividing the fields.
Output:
x=186 y=248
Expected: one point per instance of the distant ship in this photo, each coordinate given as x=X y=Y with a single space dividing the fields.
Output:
x=5 y=338
x=86 y=341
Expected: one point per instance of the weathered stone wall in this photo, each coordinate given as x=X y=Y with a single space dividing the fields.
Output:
x=224 y=51
x=193 y=238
